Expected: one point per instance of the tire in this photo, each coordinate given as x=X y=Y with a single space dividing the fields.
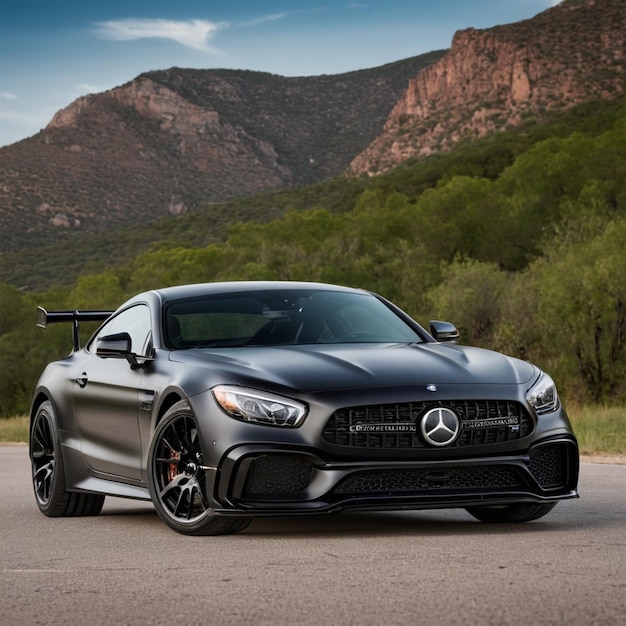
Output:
x=509 y=514
x=48 y=472
x=177 y=479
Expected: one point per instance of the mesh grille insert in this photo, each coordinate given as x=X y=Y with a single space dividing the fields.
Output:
x=398 y=425
x=277 y=475
x=416 y=480
x=548 y=465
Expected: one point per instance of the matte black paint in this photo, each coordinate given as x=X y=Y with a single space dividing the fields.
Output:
x=107 y=411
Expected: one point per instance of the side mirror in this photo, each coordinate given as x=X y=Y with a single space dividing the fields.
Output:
x=118 y=346
x=443 y=331
x=114 y=346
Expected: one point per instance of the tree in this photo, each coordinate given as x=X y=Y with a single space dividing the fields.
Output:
x=97 y=291
x=15 y=307
x=470 y=295
x=580 y=294
x=163 y=266
x=462 y=217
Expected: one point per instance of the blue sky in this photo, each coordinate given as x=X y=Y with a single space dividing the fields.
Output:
x=53 y=51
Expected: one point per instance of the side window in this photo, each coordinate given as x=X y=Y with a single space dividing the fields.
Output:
x=134 y=321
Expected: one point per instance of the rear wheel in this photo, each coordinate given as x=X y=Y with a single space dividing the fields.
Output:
x=510 y=513
x=177 y=478
x=48 y=471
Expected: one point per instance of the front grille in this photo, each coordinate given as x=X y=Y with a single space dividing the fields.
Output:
x=429 y=480
x=548 y=465
x=277 y=475
x=398 y=424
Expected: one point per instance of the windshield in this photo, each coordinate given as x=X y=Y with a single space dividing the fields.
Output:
x=283 y=317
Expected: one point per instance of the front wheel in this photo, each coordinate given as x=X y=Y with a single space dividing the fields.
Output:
x=48 y=472
x=510 y=513
x=177 y=478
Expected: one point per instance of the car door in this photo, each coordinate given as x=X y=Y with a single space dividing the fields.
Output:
x=107 y=396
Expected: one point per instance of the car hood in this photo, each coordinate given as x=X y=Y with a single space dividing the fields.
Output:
x=348 y=366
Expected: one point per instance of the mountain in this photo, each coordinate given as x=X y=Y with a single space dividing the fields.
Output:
x=180 y=140
x=496 y=78
x=172 y=141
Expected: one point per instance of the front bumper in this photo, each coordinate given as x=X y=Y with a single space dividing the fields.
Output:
x=270 y=480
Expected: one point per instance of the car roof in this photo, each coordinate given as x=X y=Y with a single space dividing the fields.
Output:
x=168 y=294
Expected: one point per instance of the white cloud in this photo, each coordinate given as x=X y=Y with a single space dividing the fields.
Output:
x=7 y=95
x=193 y=34
x=262 y=20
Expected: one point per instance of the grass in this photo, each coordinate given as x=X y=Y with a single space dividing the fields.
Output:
x=14 y=430
x=601 y=431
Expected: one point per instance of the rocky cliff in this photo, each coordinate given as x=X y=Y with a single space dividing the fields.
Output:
x=493 y=79
x=175 y=140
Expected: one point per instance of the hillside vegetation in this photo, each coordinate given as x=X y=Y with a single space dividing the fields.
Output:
x=170 y=141
x=518 y=239
x=60 y=264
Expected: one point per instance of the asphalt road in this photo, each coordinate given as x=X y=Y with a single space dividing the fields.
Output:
x=438 y=567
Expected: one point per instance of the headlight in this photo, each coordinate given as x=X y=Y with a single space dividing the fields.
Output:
x=542 y=396
x=259 y=407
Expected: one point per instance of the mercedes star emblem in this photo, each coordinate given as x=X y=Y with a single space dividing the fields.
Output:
x=440 y=426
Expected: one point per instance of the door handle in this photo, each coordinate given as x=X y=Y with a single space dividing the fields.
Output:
x=82 y=380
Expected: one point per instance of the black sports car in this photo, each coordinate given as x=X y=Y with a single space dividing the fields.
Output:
x=229 y=401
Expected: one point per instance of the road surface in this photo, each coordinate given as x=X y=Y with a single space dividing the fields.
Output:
x=436 y=567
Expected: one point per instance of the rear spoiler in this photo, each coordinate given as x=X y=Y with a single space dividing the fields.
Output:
x=52 y=317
